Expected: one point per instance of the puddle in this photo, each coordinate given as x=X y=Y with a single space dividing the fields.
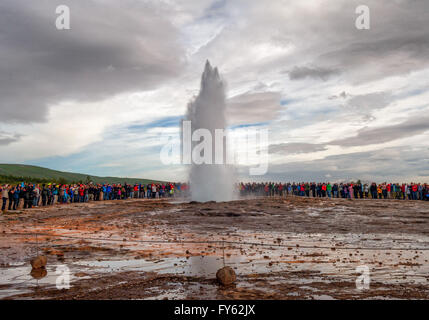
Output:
x=18 y=280
x=197 y=266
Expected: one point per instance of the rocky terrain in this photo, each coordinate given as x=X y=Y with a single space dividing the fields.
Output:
x=279 y=248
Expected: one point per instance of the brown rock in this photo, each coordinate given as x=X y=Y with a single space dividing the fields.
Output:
x=226 y=276
x=39 y=262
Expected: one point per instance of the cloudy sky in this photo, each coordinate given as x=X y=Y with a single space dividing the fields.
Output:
x=339 y=103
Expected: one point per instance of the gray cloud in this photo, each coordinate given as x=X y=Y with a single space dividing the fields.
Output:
x=368 y=136
x=397 y=42
x=370 y=166
x=253 y=107
x=298 y=73
x=370 y=101
x=295 y=148
x=399 y=32
x=383 y=55
x=342 y=95
x=7 y=138
x=365 y=136
x=366 y=104
x=111 y=48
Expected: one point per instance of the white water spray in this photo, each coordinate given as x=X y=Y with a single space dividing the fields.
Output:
x=210 y=182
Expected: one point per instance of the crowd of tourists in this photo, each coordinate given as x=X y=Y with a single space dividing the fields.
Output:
x=27 y=195
x=410 y=191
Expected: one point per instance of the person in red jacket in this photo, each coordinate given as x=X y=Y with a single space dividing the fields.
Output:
x=323 y=190
x=414 y=188
x=81 y=193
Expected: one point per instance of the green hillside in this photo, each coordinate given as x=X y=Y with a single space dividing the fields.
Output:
x=13 y=173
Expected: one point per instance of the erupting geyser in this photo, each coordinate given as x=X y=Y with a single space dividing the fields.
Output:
x=210 y=181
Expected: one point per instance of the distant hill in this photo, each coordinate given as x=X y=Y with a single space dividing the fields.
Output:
x=11 y=173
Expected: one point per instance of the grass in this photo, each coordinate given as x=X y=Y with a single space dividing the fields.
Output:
x=16 y=173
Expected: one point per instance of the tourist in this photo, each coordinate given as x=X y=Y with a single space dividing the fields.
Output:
x=4 y=196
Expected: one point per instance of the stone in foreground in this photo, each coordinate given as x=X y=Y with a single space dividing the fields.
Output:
x=39 y=262
x=226 y=276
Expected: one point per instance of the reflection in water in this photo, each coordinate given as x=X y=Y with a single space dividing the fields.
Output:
x=38 y=273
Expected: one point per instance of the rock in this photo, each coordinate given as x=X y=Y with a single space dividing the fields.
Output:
x=39 y=262
x=226 y=276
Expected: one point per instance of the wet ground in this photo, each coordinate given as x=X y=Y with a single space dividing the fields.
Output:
x=280 y=248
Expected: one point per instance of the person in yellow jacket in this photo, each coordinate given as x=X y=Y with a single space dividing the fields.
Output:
x=380 y=192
